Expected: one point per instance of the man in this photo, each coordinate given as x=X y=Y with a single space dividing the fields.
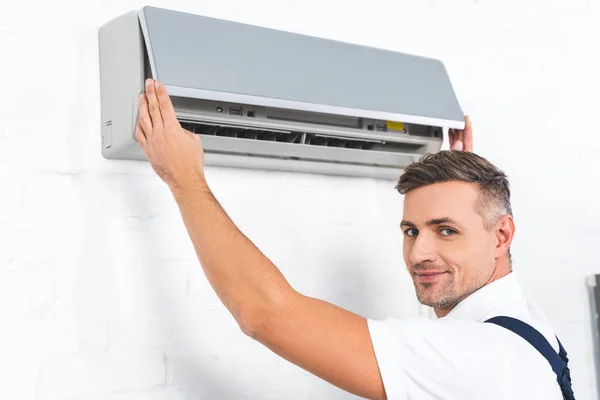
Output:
x=458 y=228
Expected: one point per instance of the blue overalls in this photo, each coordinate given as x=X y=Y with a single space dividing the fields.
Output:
x=536 y=339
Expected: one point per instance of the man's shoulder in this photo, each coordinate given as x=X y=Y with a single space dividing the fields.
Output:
x=532 y=315
x=465 y=355
x=476 y=341
x=449 y=335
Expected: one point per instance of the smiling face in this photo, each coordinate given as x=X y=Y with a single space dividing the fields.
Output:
x=448 y=249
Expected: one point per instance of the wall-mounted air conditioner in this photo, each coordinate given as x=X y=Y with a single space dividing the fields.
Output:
x=276 y=100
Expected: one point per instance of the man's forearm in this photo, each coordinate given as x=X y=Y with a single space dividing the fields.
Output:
x=245 y=280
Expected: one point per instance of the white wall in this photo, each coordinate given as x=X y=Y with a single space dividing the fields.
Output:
x=101 y=296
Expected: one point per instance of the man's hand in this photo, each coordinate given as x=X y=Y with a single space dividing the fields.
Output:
x=175 y=153
x=462 y=139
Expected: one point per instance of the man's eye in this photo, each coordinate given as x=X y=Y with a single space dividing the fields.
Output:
x=448 y=232
x=411 y=232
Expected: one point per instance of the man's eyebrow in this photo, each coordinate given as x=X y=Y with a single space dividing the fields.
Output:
x=435 y=221
x=439 y=221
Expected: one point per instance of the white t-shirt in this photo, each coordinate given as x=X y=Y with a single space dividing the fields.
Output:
x=460 y=357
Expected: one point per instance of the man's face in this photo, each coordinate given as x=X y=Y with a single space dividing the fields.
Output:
x=447 y=249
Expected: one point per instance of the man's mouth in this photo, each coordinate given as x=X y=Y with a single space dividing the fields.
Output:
x=428 y=276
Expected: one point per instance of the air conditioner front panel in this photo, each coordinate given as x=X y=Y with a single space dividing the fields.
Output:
x=201 y=57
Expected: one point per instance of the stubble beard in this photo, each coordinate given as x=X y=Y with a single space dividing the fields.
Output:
x=446 y=293
x=438 y=294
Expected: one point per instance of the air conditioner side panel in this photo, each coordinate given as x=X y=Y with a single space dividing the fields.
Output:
x=122 y=75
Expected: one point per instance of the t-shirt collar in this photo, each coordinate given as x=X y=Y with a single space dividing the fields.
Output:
x=489 y=300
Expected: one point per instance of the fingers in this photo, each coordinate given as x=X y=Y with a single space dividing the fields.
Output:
x=144 y=117
x=190 y=134
x=140 y=136
x=468 y=134
x=455 y=139
x=165 y=104
x=462 y=139
x=153 y=104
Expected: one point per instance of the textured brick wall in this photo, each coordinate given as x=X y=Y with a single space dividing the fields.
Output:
x=101 y=296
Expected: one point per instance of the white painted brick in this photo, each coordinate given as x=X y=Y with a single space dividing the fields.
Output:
x=86 y=375
x=10 y=202
x=40 y=322
x=98 y=277
x=156 y=394
x=140 y=331
x=19 y=378
x=49 y=198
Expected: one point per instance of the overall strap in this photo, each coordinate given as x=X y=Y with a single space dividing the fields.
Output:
x=536 y=339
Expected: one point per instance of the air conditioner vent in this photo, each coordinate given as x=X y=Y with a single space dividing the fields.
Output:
x=299 y=138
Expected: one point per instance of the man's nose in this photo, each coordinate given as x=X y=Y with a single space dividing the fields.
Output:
x=423 y=250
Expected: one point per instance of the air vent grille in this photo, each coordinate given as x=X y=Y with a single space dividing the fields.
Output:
x=299 y=138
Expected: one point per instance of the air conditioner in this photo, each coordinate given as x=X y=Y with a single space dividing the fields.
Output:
x=275 y=100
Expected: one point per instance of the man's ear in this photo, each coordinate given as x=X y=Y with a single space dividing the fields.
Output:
x=505 y=231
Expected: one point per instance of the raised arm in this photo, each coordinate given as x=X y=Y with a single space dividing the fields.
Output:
x=320 y=337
